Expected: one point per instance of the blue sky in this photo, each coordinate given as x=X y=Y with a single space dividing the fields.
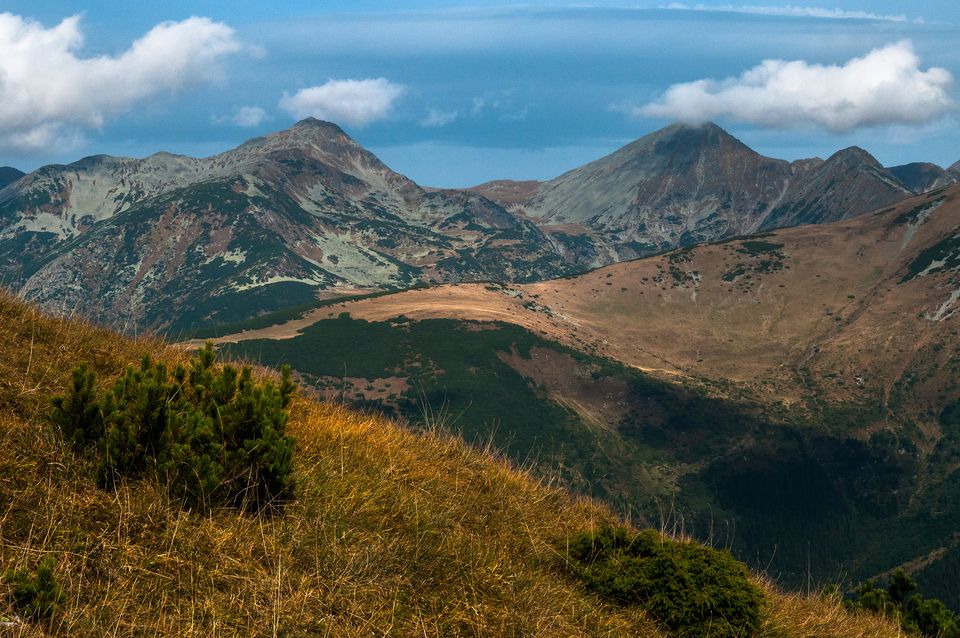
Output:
x=456 y=95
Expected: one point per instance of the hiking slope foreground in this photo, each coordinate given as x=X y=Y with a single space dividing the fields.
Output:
x=390 y=533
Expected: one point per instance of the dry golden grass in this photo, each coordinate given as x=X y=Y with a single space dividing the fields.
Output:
x=392 y=533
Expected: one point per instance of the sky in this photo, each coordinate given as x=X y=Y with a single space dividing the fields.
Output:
x=454 y=94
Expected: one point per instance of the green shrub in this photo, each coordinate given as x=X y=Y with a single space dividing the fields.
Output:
x=36 y=596
x=691 y=589
x=78 y=413
x=215 y=436
x=898 y=600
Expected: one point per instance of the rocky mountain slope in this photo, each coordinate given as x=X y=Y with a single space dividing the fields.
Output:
x=689 y=184
x=262 y=226
x=817 y=362
x=859 y=302
x=308 y=213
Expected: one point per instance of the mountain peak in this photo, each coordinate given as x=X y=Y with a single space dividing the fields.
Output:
x=918 y=176
x=315 y=123
x=311 y=136
x=687 y=138
x=854 y=155
x=704 y=130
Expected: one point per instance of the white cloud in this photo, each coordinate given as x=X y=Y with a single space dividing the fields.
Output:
x=436 y=118
x=886 y=86
x=247 y=116
x=791 y=11
x=355 y=102
x=50 y=93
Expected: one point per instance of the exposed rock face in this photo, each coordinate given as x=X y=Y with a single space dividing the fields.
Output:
x=684 y=185
x=170 y=241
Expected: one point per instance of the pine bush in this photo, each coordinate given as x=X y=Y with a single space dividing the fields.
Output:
x=899 y=600
x=78 y=413
x=694 y=591
x=36 y=596
x=214 y=435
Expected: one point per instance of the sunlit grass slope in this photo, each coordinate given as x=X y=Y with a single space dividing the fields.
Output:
x=392 y=533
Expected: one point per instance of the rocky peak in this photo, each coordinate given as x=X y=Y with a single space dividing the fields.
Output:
x=689 y=143
x=854 y=157
x=315 y=141
x=309 y=135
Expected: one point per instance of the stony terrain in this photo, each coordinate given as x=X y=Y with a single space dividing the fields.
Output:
x=684 y=185
x=308 y=213
x=265 y=225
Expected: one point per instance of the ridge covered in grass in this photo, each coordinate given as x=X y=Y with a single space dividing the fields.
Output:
x=390 y=533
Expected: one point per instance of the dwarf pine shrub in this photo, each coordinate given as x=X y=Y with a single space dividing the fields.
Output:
x=214 y=435
x=36 y=596
x=899 y=600
x=78 y=413
x=692 y=590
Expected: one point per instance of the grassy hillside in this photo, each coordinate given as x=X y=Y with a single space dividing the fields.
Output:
x=795 y=492
x=790 y=391
x=391 y=533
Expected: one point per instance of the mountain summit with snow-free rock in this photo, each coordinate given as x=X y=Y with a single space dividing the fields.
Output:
x=170 y=242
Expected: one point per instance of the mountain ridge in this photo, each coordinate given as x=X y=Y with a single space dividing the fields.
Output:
x=308 y=212
x=687 y=184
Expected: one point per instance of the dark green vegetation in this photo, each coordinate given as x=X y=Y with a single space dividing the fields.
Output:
x=898 y=599
x=37 y=595
x=758 y=247
x=761 y=257
x=209 y=331
x=694 y=591
x=213 y=436
x=796 y=493
x=940 y=578
x=453 y=371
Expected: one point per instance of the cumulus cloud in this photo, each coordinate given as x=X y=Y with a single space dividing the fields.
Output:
x=355 y=102
x=790 y=11
x=245 y=116
x=50 y=93
x=886 y=86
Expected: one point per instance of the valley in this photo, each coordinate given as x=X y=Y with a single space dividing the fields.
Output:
x=696 y=386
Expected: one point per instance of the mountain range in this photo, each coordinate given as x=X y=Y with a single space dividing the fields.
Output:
x=308 y=213
x=685 y=185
